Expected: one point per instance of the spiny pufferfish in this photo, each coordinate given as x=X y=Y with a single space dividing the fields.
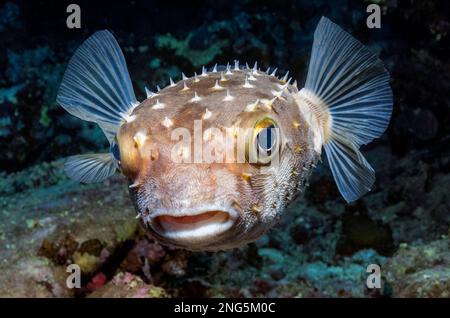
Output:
x=213 y=160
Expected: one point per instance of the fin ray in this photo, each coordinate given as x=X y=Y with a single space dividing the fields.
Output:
x=96 y=85
x=350 y=80
x=353 y=174
x=352 y=85
x=90 y=168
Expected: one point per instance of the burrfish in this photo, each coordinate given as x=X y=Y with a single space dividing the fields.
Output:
x=213 y=160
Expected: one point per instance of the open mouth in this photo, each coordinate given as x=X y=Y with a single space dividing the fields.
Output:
x=190 y=225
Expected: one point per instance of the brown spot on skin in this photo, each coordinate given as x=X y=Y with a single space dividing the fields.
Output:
x=246 y=176
x=154 y=153
x=256 y=209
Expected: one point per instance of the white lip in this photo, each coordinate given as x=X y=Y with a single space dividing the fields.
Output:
x=218 y=223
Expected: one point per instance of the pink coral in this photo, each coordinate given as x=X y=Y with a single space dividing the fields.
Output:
x=97 y=281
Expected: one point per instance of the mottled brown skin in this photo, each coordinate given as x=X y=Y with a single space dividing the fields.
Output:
x=259 y=193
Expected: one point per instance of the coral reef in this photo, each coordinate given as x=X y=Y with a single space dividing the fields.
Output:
x=420 y=271
x=128 y=285
x=322 y=246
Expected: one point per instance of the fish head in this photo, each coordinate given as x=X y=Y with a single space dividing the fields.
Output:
x=213 y=160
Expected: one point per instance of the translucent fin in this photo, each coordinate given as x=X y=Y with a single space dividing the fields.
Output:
x=351 y=81
x=90 y=167
x=353 y=174
x=353 y=85
x=96 y=85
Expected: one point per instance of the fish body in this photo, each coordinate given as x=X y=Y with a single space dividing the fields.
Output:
x=252 y=195
x=214 y=159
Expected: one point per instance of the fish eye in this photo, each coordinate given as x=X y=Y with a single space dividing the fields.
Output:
x=266 y=141
x=114 y=149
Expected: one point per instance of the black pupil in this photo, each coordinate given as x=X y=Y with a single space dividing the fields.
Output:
x=266 y=138
x=115 y=151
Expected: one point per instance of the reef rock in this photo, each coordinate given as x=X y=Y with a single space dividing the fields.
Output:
x=45 y=229
x=420 y=271
x=126 y=285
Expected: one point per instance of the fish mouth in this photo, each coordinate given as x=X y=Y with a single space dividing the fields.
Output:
x=193 y=224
